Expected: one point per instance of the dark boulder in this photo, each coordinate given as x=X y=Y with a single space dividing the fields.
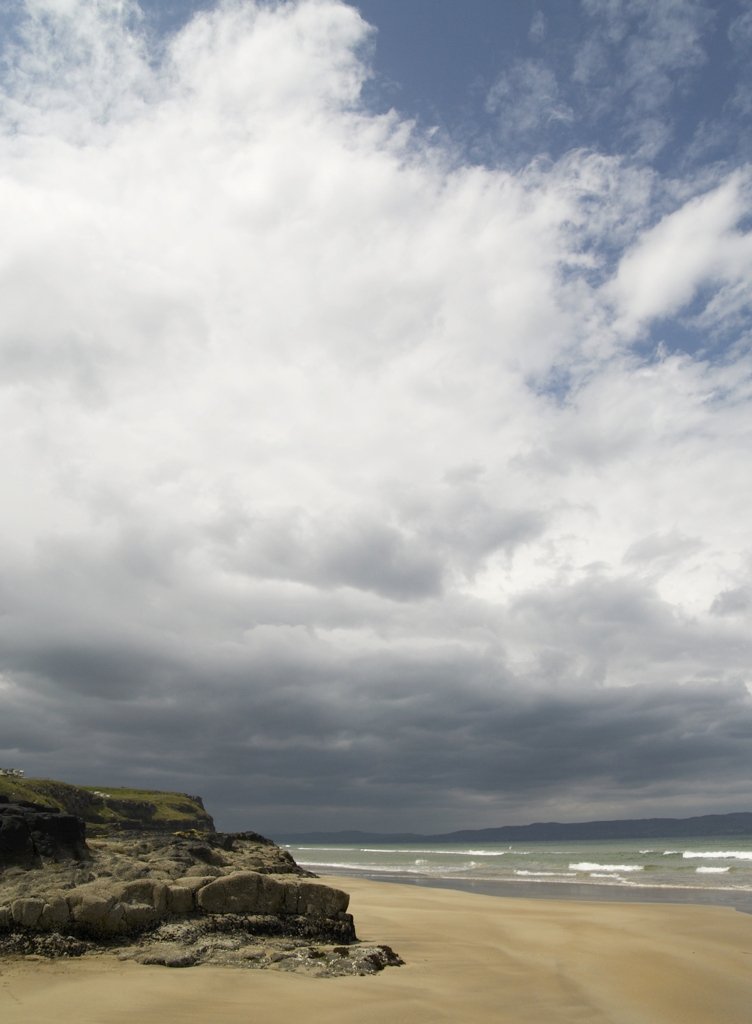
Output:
x=16 y=845
x=31 y=834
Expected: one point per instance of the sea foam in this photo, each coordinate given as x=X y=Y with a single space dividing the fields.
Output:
x=717 y=854
x=545 y=874
x=437 y=851
x=587 y=866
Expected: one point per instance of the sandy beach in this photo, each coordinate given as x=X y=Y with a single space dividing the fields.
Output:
x=469 y=958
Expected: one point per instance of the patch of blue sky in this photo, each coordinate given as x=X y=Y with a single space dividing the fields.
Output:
x=695 y=332
x=509 y=82
x=435 y=60
x=671 y=336
x=556 y=385
x=168 y=16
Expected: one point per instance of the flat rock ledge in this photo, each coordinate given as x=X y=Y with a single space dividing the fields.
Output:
x=180 y=901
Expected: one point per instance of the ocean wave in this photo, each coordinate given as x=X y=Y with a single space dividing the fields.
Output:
x=418 y=867
x=347 y=865
x=546 y=874
x=391 y=849
x=368 y=869
x=711 y=871
x=587 y=866
x=434 y=852
x=717 y=854
x=319 y=849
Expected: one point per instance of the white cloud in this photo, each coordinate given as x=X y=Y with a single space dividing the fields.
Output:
x=310 y=424
x=77 y=64
x=695 y=245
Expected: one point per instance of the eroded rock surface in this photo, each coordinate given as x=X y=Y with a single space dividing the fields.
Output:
x=180 y=900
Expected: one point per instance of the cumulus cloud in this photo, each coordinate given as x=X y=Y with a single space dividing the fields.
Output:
x=696 y=245
x=333 y=488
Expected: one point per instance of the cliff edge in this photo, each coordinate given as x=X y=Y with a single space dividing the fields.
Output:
x=110 y=810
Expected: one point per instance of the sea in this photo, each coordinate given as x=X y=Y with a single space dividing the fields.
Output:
x=700 y=870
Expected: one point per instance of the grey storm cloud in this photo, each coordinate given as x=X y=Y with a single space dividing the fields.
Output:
x=265 y=728
x=732 y=602
x=287 y=728
x=339 y=484
x=367 y=555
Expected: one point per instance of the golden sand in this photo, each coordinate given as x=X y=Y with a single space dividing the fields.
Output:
x=471 y=959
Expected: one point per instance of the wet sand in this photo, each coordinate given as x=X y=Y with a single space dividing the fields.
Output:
x=471 y=959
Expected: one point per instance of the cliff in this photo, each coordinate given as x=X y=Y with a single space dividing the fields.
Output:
x=108 y=810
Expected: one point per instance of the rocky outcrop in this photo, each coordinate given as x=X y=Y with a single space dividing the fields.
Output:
x=127 y=887
x=31 y=834
x=175 y=898
x=106 y=908
x=184 y=899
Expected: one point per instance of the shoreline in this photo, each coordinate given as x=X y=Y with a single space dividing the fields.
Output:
x=587 y=892
x=468 y=957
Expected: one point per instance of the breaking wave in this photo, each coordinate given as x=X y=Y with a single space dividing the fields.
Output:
x=587 y=866
x=441 y=852
x=717 y=854
x=545 y=874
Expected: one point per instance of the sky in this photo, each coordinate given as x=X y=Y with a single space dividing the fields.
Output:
x=375 y=394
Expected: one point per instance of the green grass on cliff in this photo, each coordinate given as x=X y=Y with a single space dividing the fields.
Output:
x=167 y=806
x=37 y=790
x=120 y=807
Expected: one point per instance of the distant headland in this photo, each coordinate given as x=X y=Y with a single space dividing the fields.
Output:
x=734 y=824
